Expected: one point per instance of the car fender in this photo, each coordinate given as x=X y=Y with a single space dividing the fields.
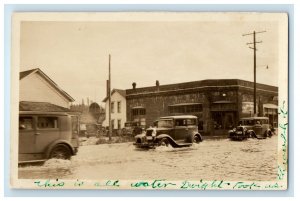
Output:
x=171 y=140
x=56 y=142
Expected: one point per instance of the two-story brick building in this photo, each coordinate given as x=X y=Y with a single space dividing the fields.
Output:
x=218 y=104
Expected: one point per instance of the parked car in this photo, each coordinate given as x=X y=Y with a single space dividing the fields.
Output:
x=177 y=131
x=132 y=128
x=44 y=135
x=255 y=127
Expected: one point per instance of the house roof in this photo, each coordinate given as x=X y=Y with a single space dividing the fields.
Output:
x=203 y=85
x=120 y=91
x=41 y=106
x=27 y=73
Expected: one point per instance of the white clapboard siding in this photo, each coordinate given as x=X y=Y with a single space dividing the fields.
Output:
x=35 y=88
x=116 y=97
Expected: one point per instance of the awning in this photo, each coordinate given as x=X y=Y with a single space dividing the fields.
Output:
x=223 y=102
x=270 y=105
x=182 y=104
x=138 y=107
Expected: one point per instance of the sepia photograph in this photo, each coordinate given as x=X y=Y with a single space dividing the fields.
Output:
x=156 y=100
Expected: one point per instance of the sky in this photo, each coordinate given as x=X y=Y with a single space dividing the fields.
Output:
x=75 y=54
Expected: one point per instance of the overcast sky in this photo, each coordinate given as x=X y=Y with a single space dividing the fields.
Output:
x=75 y=54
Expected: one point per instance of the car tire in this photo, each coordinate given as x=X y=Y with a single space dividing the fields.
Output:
x=61 y=151
x=269 y=134
x=196 y=139
x=253 y=135
x=164 y=142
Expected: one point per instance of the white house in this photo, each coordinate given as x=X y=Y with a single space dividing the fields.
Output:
x=39 y=90
x=118 y=109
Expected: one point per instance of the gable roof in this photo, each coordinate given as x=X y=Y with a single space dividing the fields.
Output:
x=41 y=107
x=24 y=74
x=120 y=91
x=28 y=72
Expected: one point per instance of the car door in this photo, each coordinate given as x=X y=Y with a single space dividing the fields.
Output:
x=192 y=125
x=181 y=130
x=47 y=131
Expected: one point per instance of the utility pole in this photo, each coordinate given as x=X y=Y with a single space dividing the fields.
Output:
x=109 y=100
x=254 y=63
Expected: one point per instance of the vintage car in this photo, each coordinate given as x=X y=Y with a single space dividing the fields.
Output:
x=177 y=131
x=132 y=128
x=251 y=127
x=44 y=135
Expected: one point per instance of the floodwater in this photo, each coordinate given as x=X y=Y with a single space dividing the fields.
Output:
x=211 y=159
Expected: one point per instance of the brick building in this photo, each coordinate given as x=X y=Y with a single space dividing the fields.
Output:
x=218 y=104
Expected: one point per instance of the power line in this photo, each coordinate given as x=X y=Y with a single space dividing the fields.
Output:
x=254 y=62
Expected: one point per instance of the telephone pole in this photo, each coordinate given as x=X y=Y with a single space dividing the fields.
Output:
x=254 y=62
x=109 y=100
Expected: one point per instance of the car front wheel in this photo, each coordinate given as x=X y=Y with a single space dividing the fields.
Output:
x=164 y=142
x=197 y=139
x=61 y=151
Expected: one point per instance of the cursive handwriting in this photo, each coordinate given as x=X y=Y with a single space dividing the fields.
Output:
x=163 y=184
x=112 y=183
x=282 y=168
x=158 y=183
x=49 y=183
x=245 y=186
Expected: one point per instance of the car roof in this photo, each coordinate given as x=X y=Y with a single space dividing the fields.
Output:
x=180 y=117
x=254 y=118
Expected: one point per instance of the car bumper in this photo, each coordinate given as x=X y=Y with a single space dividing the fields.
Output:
x=237 y=136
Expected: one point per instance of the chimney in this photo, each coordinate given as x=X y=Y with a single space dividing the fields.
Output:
x=157 y=85
x=133 y=85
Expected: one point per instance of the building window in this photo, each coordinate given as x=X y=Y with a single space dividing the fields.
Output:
x=47 y=122
x=112 y=107
x=138 y=111
x=119 y=123
x=119 y=107
x=112 y=123
x=189 y=108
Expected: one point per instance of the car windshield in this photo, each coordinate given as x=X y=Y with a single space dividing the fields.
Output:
x=249 y=122
x=165 y=123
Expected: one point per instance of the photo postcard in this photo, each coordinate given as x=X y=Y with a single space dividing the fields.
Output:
x=156 y=100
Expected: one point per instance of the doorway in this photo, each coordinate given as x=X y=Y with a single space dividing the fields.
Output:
x=222 y=122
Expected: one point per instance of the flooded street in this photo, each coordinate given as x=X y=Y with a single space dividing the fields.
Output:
x=212 y=159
